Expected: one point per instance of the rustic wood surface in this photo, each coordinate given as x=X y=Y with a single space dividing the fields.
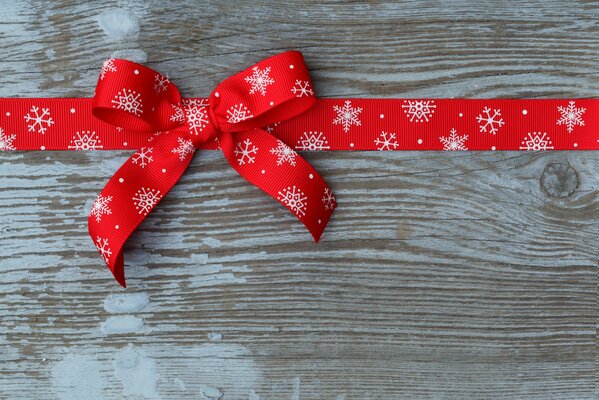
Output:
x=441 y=276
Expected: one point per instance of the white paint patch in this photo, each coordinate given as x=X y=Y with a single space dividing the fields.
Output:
x=179 y=384
x=215 y=337
x=135 y=55
x=26 y=329
x=119 y=24
x=78 y=377
x=253 y=396
x=137 y=373
x=212 y=242
x=212 y=392
x=122 y=324
x=295 y=395
x=51 y=54
x=126 y=302
x=224 y=202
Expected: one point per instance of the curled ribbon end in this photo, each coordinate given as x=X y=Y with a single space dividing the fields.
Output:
x=118 y=271
x=316 y=238
x=318 y=230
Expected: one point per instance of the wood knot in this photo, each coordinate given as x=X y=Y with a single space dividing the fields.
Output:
x=559 y=179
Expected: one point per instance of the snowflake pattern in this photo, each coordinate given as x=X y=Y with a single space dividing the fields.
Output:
x=107 y=66
x=197 y=117
x=103 y=248
x=238 y=113
x=419 y=110
x=178 y=115
x=143 y=157
x=284 y=153
x=6 y=141
x=85 y=140
x=145 y=199
x=536 y=141
x=347 y=115
x=328 y=199
x=454 y=141
x=271 y=128
x=294 y=199
x=571 y=116
x=100 y=207
x=302 y=88
x=185 y=148
x=259 y=80
x=37 y=121
x=386 y=141
x=195 y=102
x=312 y=141
x=245 y=152
x=161 y=83
x=490 y=122
x=128 y=100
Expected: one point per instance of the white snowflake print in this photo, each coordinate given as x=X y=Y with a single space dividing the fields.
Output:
x=386 y=141
x=238 y=113
x=347 y=115
x=85 y=140
x=178 y=115
x=490 y=122
x=419 y=110
x=145 y=199
x=312 y=141
x=245 y=152
x=454 y=141
x=302 y=88
x=161 y=83
x=6 y=141
x=107 y=66
x=195 y=102
x=185 y=148
x=294 y=199
x=197 y=118
x=128 y=100
x=271 y=128
x=284 y=153
x=328 y=199
x=143 y=157
x=571 y=116
x=100 y=207
x=259 y=80
x=536 y=141
x=37 y=121
x=103 y=248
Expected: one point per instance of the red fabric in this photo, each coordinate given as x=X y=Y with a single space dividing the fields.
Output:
x=315 y=129
x=258 y=118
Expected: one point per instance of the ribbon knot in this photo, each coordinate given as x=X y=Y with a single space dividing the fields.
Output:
x=133 y=97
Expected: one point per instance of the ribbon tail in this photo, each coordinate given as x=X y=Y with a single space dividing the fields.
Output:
x=278 y=170
x=133 y=192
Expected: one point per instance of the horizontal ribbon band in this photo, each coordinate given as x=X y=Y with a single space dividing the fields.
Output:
x=258 y=118
x=336 y=124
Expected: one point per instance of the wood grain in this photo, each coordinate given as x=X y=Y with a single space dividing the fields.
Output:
x=441 y=276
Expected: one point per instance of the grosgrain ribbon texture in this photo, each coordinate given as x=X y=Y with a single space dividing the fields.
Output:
x=136 y=98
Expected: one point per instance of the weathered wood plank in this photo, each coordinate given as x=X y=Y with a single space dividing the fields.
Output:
x=470 y=275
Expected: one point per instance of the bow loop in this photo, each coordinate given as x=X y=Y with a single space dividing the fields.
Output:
x=273 y=90
x=135 y=97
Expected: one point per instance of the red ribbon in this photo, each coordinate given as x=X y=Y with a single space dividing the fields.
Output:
x=137 y=98
x=138 y=108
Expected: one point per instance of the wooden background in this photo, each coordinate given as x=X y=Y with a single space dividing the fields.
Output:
x=441 y=276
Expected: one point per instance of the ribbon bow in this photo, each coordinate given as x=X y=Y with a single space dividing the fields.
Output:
x=137 y=98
